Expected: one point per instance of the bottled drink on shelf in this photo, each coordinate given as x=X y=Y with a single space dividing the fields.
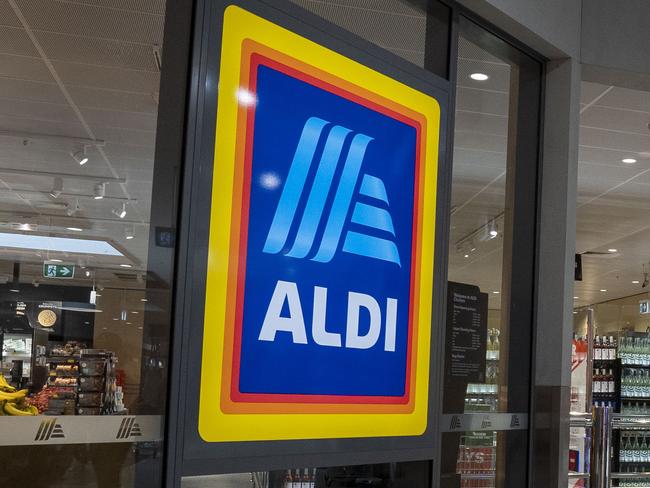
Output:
x=597 y=382
x=612 y=348
x=611 y=386
x=598 y=351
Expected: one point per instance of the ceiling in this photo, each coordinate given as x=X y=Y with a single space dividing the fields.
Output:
x=613 y=197
x=74 y=74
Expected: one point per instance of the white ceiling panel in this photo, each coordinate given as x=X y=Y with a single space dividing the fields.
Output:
x=92 y=21
x=481 y=101
x=107 y=77
x=96 y=98
x=625 y=99
x=94 y=51
x=392 y=25
x=14 y=40
x=31 y=90
x=24 y=68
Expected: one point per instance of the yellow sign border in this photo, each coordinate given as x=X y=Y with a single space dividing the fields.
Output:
x=214 y=424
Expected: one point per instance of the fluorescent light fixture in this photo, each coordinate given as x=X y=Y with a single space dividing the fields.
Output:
x=129 y=232
x=628 y=160
x=635 y=282
x=93 y=297
x=603 y=290
x=575 y=298
x=479 y=76
x=612 y=250
x=144 y=300
x=55 y=260
x=75 y=229
x=14 y=290
x=126 y=265
x=58 y=244
x=496 y=292
x=99 y=191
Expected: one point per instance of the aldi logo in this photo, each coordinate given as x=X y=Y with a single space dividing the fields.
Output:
x=49 y=429
x=128 y=428
x=319 y=283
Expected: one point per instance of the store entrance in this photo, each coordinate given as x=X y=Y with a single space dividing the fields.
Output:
x=611 y=344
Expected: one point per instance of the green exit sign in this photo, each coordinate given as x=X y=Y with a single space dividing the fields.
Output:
x=51 y=270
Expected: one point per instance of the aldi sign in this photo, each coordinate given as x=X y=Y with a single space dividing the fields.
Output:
x=320 y=268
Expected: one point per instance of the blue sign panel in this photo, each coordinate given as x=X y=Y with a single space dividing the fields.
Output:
x=328 y=273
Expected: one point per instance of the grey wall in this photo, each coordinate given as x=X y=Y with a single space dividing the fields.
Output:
x=616 y=42
x=551 y=27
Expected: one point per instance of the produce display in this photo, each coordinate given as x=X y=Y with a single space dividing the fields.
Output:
x=13 y=402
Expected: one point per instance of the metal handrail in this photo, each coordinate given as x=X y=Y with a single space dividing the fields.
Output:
x=630 y=476
x=580 y=420
x=622 y=421
x=576 y=476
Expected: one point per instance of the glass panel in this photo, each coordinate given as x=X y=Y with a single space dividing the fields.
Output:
x=84 y=290
x=486 y=366
x=393 y=25
x=612 y=238
x=393 y=475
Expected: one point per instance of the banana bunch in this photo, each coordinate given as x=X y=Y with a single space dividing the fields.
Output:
x=12 y=401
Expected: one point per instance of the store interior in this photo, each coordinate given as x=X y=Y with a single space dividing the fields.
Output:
x=611 y=346
x=79 y=102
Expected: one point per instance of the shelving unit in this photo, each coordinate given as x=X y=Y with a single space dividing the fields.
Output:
x=478 y=450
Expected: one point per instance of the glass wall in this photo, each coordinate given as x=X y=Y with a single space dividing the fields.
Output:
x=84 y=308
x=400 y=29
x=487 y=360
x=611 y=358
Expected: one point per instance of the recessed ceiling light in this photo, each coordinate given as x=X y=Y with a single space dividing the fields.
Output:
x=466 y=255
x=635 y=282
x=575 y=298
x=629 y=160
x=603 y=290
x=140 y=328
x=144 y=300
x=479 y=76
x=496 y=292
x=135 y=311
x=75 y=229
x=115 y=318
x=612 y=250
x=57 y=244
